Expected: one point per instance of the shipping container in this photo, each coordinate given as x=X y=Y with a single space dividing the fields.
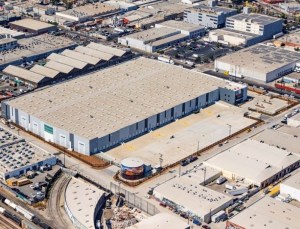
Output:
x=27 y=214
x=23 y=182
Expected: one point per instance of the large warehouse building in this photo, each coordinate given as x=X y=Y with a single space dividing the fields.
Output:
x=267 y=213
x=259 y=62
x=291 y=186
x=143 y=94
x=187 y=194
x=258 y=164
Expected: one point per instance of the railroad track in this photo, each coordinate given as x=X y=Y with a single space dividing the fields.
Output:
x=7 y=224
x=54 y=201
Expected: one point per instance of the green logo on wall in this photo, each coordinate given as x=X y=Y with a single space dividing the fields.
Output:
x=48 y=129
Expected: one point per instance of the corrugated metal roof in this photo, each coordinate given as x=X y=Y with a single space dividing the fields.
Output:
x=80 y=56
x=51 y=73
x=59 y=67
x=67 y=61
x=95 y=53
x=23 y=74
x=106 y=49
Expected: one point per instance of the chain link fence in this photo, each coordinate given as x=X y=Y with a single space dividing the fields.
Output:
x=133 y=200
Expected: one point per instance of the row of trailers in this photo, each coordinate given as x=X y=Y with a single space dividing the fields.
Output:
x=35 y=222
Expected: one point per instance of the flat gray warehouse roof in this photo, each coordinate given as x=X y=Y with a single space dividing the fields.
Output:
x=261 y=58
x=269 y=213
x=161 y=221
x=106 y=101
x=32 y=24
x=255 y=18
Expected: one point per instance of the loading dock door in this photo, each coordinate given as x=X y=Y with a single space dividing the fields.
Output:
x=35 y=128
x=48 y=133
x=81 y=147
x=23 y=122
x=62 y=140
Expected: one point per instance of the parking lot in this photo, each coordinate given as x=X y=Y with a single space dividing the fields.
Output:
x=196 y=52
x=184 y=136
x=35 y=191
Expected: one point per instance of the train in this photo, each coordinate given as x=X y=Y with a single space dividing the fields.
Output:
x=27 y=214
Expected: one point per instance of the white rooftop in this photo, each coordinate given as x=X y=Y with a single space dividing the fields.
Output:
x=81 y=199
x=191 y=195
x=274 y=138
x=256 y=161
x=269 y=213
x=161 y=221
x=13 y=33
x=181 y=25
x=135 y=89
x=293 y=181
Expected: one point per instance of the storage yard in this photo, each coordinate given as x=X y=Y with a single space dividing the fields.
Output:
x=190 y=134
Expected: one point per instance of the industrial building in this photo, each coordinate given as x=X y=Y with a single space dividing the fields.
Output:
x=69 y=63
x=161 y=220
x=32 y=26
x=294 y=120
x=259 y=164
x=210 y=16
x=83 y=203
x=188 y=195
x=247 y=29
x=88 y=12
x=274 y=138
x=137 y=104
x=34 y=48
x=7 y=42
x=259 y=62
x=291 y=187
x=12 y=33
x=162 y=36
x=18 y=156
x=266 y=213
